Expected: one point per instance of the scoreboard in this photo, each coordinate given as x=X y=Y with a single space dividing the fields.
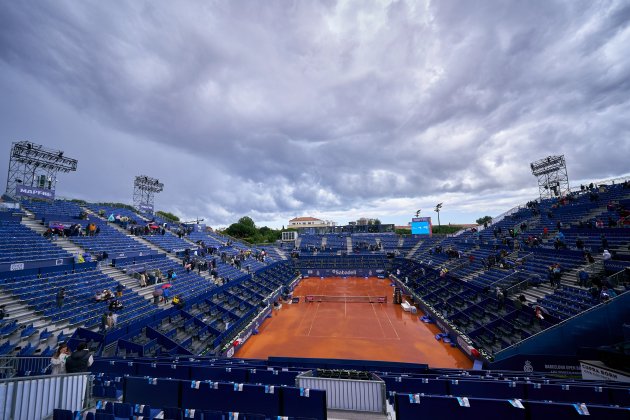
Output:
x=421 y=226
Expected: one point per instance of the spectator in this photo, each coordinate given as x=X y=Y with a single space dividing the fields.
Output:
x=606 y=255
x=166 y=295
x=579 y=243
x=589 y=258
x=500 y=298
x=607 y=294
x=143 y=280
x=104 y=325
x=604 y=242
x=156 y=295
x=119 y=290
x=112 y=318
x=80 y=360
x=61 y=295
x=3 y=313
x=178 y=302
x=115 y=305
x=521 y=302
x=58 y=360
x=98 y=296
x=583 y=278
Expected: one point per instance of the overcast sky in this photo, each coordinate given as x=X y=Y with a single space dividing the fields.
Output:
x=339 y=110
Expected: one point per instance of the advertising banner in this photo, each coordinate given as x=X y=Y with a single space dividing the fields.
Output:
x=343 y=272
x=147 y=208
x=35 y=192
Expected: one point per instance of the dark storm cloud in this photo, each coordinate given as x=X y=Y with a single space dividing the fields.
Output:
x=280 y=108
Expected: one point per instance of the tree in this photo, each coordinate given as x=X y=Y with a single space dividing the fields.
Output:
x=240 y=230
x=484 y=219
x=167 y=215
x=247 y=221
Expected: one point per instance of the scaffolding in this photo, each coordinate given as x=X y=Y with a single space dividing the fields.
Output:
x=144 y=190
x=33 y=170
x=553 y=179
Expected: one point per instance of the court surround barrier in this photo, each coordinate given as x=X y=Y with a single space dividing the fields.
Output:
x=348 y=394
x=35 y=397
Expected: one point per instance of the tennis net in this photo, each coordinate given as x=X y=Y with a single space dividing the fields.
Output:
x=346 y=299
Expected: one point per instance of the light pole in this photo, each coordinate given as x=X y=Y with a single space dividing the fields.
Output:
x=438 y=207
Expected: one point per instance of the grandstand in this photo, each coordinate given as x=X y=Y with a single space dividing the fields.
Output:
x=493 y=292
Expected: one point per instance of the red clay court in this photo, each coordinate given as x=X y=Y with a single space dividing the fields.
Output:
x=366 y=331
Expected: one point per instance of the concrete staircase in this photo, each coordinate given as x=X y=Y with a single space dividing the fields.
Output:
x=413 y=250
x=349 y=245
x=281 y=252
x=568 y=278
x=129 y=281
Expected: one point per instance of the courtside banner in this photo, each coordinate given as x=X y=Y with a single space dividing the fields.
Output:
x=342 y=272
x=35 y=192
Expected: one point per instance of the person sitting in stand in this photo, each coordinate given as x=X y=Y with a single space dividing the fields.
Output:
x=115 y=305
x=107 y=294
x=607 y=293
x=99 y=296
x=178 y=302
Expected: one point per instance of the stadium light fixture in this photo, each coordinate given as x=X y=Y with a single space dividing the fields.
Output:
x=29 y=162
x=144 y=190
x=552 y=176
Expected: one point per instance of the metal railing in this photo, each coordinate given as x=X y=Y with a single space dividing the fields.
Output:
x=36 y=397
x=617 y=278
x=10 y=366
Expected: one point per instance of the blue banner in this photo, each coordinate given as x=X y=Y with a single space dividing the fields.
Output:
x=35 y=192
x=343 y=272
x=148 y=208
x=26 y=265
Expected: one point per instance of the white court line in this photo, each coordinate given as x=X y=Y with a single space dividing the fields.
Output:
x=313 y=320
x=299 y=328
x=390 y=323
x=379 y=321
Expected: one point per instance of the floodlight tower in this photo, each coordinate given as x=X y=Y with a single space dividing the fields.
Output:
x=553 y=179
x=144 y=189
x=33 y=170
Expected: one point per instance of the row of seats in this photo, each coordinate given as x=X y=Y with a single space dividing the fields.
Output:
x=266 y=400
x=414 y=406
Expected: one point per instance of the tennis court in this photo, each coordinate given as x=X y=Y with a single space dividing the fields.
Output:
x=344 y=329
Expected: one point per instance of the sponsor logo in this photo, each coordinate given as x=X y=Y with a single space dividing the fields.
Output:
x=36 y=192
x=344 y=272
x=463 y=345
x=16 y=267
